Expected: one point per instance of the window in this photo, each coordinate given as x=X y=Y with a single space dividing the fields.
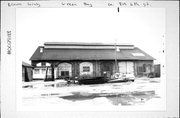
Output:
x=36 y=71
x=64 y=73
x=38 y=64
x=50 y=71
x=86 y=69
x=140 y=69
x=43 y=71
x=144 y=67
x=43 y=64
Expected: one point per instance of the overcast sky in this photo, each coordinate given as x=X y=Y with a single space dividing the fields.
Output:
x=143 y=27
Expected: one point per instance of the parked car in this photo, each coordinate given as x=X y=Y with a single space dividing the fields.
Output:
x=88 y=79
x=129 y=77
x=119 y=77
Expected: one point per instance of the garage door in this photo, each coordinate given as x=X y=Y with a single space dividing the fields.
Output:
x=126 y=67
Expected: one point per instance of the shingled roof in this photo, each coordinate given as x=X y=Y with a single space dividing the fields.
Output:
x=26 y=64
x=56 y=53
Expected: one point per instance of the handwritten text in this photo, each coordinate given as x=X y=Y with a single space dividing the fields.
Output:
x=9 y=42
x=33 y=4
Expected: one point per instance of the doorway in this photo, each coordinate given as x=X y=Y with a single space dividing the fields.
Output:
x=64 y=70
x=106 y=69
x=126 y=67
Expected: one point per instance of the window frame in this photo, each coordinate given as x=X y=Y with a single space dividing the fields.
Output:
x=86 y=68
x=64 y=73
x=35 y=71
x=43 y=71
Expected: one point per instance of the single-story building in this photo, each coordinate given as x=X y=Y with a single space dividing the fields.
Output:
x=60 y=59
x=27 y=72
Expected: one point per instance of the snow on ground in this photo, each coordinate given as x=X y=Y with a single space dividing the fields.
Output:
x=143 y=92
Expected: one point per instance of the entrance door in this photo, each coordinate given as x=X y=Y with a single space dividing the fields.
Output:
x=65 y=70
x=126 y=67
x=106 y=69
x=130 y=67
x=122 y=67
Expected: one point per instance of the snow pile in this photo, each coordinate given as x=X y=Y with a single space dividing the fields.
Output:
x=64 y=97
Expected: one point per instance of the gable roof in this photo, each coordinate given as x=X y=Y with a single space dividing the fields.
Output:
x=37 y=55
x=26 y=64
x=88 y=54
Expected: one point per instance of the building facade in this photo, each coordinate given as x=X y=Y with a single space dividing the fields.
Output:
x=27 y=72
x=59 y=60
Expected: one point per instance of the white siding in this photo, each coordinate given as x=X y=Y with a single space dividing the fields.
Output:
x=41 y=74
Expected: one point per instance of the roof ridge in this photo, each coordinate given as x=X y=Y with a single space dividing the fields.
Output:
x=86 y=43
x=89 y=54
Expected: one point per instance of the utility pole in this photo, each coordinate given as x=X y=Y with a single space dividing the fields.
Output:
x=115 y=53
x=52 y=71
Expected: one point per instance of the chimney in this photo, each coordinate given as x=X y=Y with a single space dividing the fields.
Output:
x=41 y=50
